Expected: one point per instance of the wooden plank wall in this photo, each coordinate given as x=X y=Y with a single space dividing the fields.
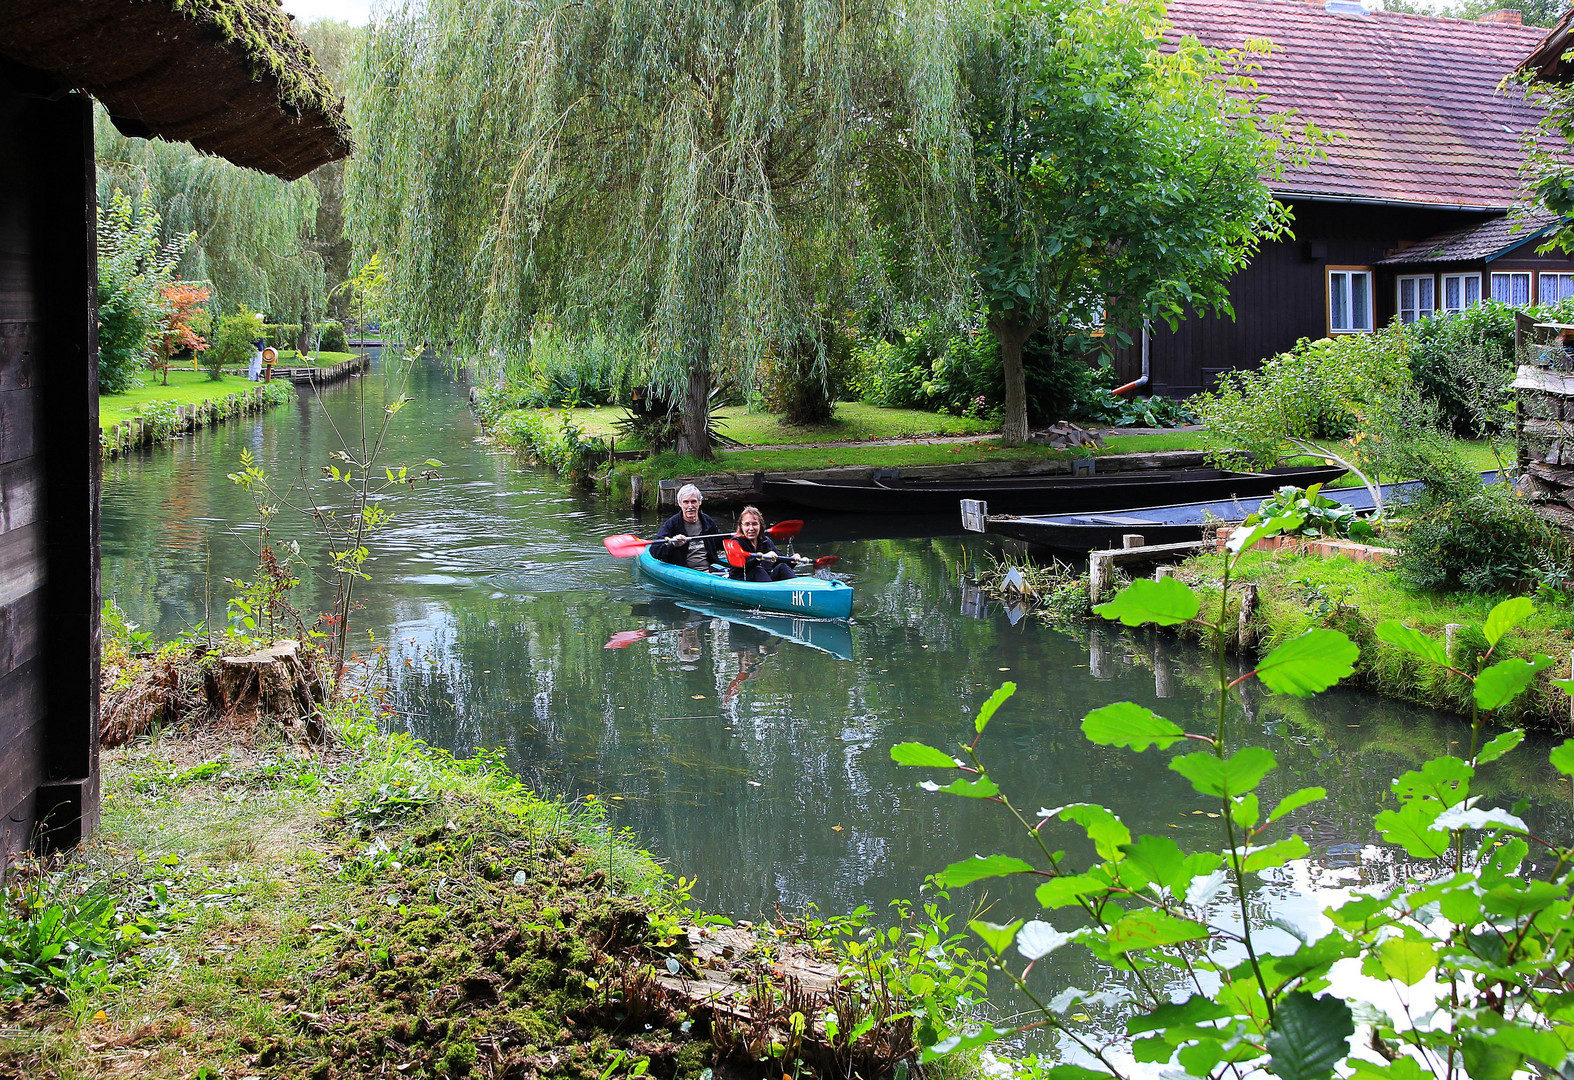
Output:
x=48 y=473
x=1280 y=297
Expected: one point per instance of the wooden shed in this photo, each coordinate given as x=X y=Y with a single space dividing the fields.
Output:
x=230 y=77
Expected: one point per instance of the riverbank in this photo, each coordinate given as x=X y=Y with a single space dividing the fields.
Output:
x=1296 y=591
x=161 y=419
x=252 y=906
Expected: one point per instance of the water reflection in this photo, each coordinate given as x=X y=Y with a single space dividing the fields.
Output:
x=750 y=751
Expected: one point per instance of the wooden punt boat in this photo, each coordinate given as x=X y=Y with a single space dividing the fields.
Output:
x=1042 y=494
x=1156 y=524
x=811 y=597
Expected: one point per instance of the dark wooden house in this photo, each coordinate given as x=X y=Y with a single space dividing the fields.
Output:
x=1410 y=211
x=232 y=79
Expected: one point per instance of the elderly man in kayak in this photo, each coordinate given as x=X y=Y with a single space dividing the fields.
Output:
x=672 y=543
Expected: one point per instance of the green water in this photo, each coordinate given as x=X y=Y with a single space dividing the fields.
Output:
x=753 y=761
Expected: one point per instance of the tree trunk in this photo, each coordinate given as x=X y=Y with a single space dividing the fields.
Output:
x=695 y=440
x=1012 y=335
x=303 y=338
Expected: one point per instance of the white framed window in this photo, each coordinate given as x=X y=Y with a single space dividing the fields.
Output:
x=1512 y=288
x=1461 y=291
x=1349 y=301
x=1550 y=288
x=1417 y=297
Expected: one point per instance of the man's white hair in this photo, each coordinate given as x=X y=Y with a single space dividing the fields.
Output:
x=689 y=489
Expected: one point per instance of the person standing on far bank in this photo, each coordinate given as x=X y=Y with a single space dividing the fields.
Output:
x=672 y=543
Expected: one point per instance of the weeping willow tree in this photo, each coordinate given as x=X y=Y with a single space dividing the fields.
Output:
x=690 y=172
x=254 y=232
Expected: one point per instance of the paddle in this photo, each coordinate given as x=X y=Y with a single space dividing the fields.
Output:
x=739 y=558
x=626 y=546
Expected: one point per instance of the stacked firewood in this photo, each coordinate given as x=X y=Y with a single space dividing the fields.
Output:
x=1546 y=429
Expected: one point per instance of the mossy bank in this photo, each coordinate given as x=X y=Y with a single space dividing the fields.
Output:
x=251 y=908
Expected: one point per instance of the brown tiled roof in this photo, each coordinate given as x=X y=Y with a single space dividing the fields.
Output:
x=1547 y=61
x=1414 y=98
x=1484 y=241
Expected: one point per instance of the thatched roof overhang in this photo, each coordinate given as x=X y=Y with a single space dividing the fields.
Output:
x=228 y=76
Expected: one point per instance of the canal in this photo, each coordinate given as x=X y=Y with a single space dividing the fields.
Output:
x=755 y=762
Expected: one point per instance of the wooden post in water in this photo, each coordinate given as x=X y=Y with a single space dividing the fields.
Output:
x=1244 y=632
x=1163 y=671
x=1101 y=655
x=637 y=492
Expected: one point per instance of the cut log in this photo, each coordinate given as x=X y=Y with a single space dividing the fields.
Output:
x=276 y=682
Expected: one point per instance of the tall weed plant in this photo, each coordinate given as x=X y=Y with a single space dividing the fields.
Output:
x=1465 y=364
x=596 y=368
x=1464 y=961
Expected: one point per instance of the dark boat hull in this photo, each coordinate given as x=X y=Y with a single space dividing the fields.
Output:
x=1045 y=494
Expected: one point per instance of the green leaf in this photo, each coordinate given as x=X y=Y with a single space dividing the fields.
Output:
x=1196 y=1009
x=1405 y=960
x=1445 y=779
x=1064 y=891
x=1507 y=615
x=1541 y=1045
x=1295 y=800
x=1500 y=746
x=1106 y=831
x=1150 y=928
x=1565 y=685
x=1308 y=664
x=1309 y=1037
x=982 y=788
x=1234 y=775
x=1159 y=859
x=952 y=1043
x=1413 y=642
x=1164 y=602
x=1486 y=1059
x=1199 y=1058
x=979 y=867
x=1276 y=854
x=1130 y=725
x=1562 y=757
x=997 y=699
x=916 y=753
x=1243 y=538
x=997 y=937
x=1411 y=827
x=1507 y=679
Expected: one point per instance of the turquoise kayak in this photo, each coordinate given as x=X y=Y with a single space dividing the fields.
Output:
x=817 y=598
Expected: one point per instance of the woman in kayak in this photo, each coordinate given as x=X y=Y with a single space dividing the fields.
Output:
x=672 y=543
x=764 y=563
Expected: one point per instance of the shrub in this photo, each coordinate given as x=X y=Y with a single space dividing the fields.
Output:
x=280 y=335
x=798 y=387
x=234 y=344
x=334 y=338
x=1461 y=534
x=930 y=367
x=1318 y=391
x=133 y=268
x=1465 y=364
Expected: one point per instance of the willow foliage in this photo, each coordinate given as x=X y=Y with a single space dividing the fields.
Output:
x=253 y=231
x=690 y=171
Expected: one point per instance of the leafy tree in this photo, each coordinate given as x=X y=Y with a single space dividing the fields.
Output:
x=251 y=233
x=234 y=344
x=181 y=300
x=1117 y=179
x=134 y=267
x=684 y=170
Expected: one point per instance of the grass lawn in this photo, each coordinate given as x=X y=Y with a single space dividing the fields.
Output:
x=290 y=358
x=185 y=387
x=853 y=420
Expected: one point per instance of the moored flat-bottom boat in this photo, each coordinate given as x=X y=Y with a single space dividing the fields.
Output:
x=1173 y=524
x=813 y=597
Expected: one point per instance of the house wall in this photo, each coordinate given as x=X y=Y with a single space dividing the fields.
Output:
x=48 y=471
x=1282 y=295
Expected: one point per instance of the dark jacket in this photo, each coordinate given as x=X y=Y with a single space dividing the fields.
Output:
x=678 y=554
x=756 y=570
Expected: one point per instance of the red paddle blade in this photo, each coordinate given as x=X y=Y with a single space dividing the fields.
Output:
x=625 y=546
x=736 y=556
x=784 y=530
x=827 y=560
x=624 y=638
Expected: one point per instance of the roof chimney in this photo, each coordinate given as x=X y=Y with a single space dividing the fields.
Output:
x=1506 y=16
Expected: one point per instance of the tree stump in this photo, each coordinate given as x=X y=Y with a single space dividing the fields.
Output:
x=275 y=682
